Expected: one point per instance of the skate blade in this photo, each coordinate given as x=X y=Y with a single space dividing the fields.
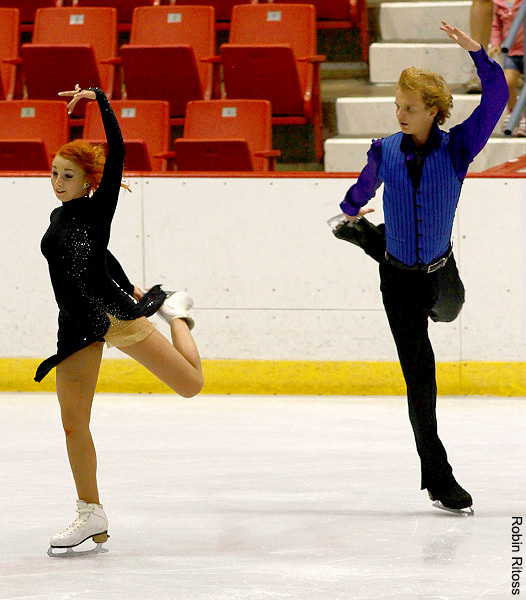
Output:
x=71 y=553
x=57 y=552
x=340 y=221
x=463 y=512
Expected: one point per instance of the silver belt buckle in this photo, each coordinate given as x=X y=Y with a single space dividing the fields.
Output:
x=438 y=265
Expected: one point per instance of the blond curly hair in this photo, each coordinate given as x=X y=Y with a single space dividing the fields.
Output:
x=431 y=88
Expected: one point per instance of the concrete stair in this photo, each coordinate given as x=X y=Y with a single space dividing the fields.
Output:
x=361 y=118
x=376 y=115
x=420 y=21
x=388 y=59
x=345 y=154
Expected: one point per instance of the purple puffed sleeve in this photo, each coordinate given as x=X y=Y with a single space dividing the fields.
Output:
x=368 y=182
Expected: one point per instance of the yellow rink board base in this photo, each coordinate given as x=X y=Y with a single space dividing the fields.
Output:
x=337 y=378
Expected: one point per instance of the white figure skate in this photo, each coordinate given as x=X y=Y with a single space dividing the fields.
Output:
x=176 y=306
x=92 y=522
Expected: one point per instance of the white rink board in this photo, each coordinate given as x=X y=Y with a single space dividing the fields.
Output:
x=268 y=279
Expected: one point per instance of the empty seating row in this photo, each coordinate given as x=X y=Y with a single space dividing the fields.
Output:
x=28 y=9
x=330 y=13
x=219 y=135
x=125 y=8
x=271 y=55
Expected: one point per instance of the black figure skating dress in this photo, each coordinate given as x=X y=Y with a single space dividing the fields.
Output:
x=87 y=279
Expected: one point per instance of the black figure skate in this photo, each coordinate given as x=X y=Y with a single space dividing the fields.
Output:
x=453 y=499
x=362 y=233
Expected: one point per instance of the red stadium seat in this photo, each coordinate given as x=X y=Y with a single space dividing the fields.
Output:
x=70 y=46
x=223 y=8
x=163 y=60
x=271 y=54
x=124 y=9
x=32 y=132
x=340 y=14
x=28 y=9
x=226 y=135
x=9 y=44
x=145 y=126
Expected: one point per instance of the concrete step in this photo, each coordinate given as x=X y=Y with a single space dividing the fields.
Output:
x=389 y=59
x=420 y=21
x=348 y=154
x=376 y=115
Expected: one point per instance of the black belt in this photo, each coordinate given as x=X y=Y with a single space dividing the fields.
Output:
x=418 y=267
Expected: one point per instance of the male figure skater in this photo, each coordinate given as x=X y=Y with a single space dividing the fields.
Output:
x=422 y=168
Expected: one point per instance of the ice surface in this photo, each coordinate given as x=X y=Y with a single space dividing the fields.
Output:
x=262 y=498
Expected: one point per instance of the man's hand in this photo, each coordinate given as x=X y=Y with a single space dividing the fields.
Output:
x=363 y=211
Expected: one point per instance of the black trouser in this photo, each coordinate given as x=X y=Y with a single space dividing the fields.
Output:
x=410 y=298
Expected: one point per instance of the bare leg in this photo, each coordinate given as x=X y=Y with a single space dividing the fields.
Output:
x=76 y=381
x=512 y=79
x=177 y=364
x=480 y=19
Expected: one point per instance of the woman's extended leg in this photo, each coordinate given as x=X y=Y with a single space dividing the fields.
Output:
x=76 y=381
x=177 y=364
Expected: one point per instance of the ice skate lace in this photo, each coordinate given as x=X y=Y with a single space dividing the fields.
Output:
x=84 y=515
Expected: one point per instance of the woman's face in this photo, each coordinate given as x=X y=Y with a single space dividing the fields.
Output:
x=68 y=179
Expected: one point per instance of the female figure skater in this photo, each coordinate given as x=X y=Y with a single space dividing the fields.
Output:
x=422 y=168
x=97 y=303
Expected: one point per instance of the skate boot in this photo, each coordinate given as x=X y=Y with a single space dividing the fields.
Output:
x=92 y=522
x=362 y=233
x=452 y=498
x=176 y=306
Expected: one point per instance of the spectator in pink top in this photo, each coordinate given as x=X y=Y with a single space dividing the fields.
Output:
x=504 y=14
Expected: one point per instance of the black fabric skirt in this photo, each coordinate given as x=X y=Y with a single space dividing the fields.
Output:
x=73 y=336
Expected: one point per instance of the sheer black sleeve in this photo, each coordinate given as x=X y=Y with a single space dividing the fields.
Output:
x=116 y=272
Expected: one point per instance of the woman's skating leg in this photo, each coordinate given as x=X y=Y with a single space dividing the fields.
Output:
x=76 y=382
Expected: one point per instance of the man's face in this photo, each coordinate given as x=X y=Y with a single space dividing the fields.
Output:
x=414 y=118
